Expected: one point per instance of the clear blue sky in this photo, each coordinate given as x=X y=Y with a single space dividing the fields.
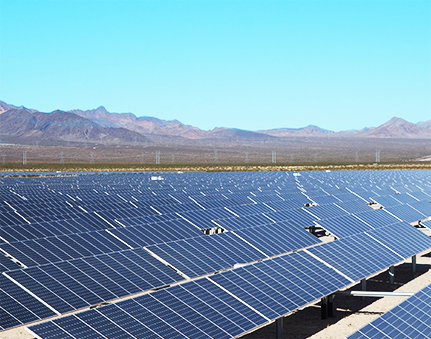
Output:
x=252 y=65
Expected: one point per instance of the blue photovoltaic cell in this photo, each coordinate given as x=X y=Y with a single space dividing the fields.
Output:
x=378 y=218
x=79 y=283
x=219 y=251
x=241 y=222
x=50 y=330
x=354 y=206
x=298 y=215
x=410 y=319
x=250 y=209
x=17 y=307
x=420 y=195
x=403 y=238
x=387 y=201
x=278 y=238
x=406 y=213
x=405 y=198
x=281 y=285
x=156 y=233
x=423 y=206
x=325 y=199
x=344 y=226
x=125 y=320
x=327 y=211
x=198 y=309
x=173 y=299
x=355 y=256
x=7 y=264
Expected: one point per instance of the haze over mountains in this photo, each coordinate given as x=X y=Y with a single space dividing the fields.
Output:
x=99 y=125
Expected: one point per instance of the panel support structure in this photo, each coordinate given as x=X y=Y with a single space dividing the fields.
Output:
x=327 y=307
x=391 y=274
x=414 y=264
x=363 y=286
x=279 y=328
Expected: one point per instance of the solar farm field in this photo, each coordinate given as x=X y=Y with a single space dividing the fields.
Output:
x=200 y=255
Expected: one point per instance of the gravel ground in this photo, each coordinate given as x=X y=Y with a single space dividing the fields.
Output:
x=351 y=313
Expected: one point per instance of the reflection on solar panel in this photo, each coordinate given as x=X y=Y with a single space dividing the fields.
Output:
x=68 y=243
x=410 y=319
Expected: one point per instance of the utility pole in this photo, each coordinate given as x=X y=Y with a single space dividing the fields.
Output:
x=24 y=157
x=377 y=156
x=274 y=157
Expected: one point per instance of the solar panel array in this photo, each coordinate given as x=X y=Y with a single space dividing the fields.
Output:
x=410 y=319
x=68 y=243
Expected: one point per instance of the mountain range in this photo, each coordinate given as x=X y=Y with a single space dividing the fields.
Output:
x=99 y=125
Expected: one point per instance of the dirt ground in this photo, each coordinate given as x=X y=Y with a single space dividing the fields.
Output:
x=351 y=313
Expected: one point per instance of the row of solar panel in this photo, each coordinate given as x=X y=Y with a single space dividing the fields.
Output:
x=71 y=285
x=80 y=281
x=259 y=293
x=223 y=306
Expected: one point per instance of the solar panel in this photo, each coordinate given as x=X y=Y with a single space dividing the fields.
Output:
x=406 y=213
x=277 y=238
x=378 y=218
x=299 y=215
x=327 y=211
x=74 y=284
x=355 y=256
x=344 y=226
x=17 y=307
x=402 y=238
x=222 y=306
x=241 y=222
x=170 y=313
x=410 y=319
x=203 y=255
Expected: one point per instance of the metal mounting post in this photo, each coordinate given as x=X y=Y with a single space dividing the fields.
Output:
x=391 y=274
x=331 y=305
x=364 y=286
x=279 y=328
x=414 y=264
x=324 y=308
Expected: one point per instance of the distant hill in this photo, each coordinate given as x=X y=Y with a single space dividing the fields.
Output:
x=5 y=107
x=298 y=132
x=59 y=125
x=397 y=128
x=143 y=125
x=100 y=125
x=236 y=134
